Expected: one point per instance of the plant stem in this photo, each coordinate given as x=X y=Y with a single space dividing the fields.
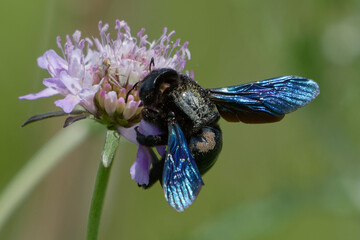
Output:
x=101 y=182
x=97 y=201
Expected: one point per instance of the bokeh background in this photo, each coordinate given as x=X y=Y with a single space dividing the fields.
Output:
x=296 y=179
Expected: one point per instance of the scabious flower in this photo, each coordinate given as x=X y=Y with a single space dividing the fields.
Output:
x=97 y=74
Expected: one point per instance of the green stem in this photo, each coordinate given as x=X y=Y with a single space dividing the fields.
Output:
x=101 y=182
x=97 y=201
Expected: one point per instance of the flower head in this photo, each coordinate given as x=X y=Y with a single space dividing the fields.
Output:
x=98 y=74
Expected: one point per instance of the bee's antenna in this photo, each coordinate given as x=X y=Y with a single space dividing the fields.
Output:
x=128 y=93
x=152 y=62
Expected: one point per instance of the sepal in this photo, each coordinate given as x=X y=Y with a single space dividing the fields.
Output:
x=43 y=116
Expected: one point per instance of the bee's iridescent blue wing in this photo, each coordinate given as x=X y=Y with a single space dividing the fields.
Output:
x=181 y=178
x=264 y=101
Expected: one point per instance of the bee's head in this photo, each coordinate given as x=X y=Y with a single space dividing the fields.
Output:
x=156 y=83
x=154 y=93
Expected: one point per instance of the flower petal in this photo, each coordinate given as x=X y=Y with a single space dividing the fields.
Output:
x=110 y=102
x=91 y=57
x=144 y=128
x=71 y=83
x=129 y=133
x=147 y=128
x=140 y=169
x=68 y=103
x=88 y=80
x=88 y=103
x=161 y=150
x=75 y=66
x=47 y=92
x=56 y=84
x=87 y=98
x=52 y=62
x=130 y=109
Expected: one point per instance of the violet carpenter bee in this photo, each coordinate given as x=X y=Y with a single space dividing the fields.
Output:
x=188 y=116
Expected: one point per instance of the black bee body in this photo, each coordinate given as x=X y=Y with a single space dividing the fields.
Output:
x=165 y=91
x=186 y=114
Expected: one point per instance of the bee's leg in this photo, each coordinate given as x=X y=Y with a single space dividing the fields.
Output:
x=150 y=140
x=205 y=145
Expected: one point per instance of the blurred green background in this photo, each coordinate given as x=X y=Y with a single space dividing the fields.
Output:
x=296 y=179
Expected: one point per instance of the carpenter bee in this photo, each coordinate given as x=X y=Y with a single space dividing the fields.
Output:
x=188 y=116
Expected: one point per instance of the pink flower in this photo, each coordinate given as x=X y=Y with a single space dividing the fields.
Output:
x=96 y=75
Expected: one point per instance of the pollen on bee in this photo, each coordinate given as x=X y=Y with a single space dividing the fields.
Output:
x=208 y=144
